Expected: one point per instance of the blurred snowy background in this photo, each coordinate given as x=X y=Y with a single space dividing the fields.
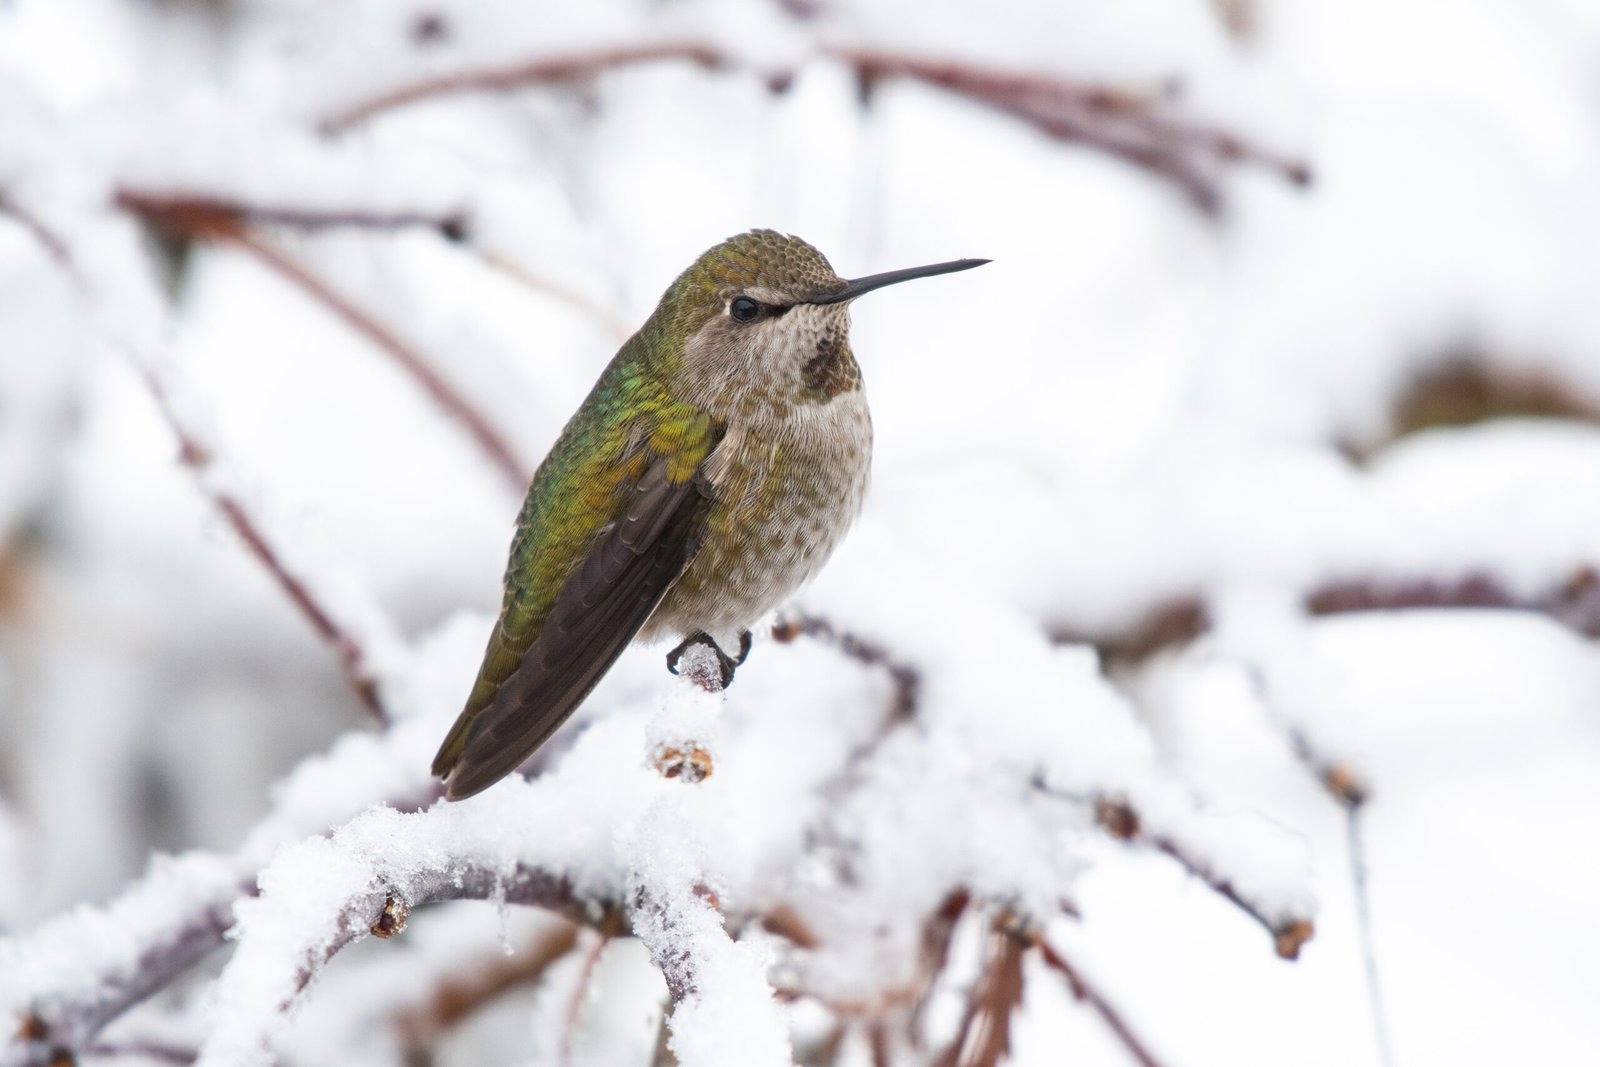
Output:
x=1230 y=562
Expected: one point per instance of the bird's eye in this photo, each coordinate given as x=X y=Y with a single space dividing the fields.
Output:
x=743 y=309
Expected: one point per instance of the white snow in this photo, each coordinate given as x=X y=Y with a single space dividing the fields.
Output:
x=1133 y=406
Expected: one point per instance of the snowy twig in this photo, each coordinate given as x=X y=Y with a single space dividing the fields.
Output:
x=47 y=238
x=906 y=678
x=1123 y=823
x=160 y=1052
x=197 y=458
x=1182 y=617
x=1474 y=387
x=546 y=70
x=609 y=927
x=451 y=401
x=138 y=944
x=346 y=892
x=196 y=213
x=983 y=1038
x=1575 y=603
x=610 y=324
x=1129 y=126
x=1174 y=621
x=458 y=997
x=1092 y=997
x=208 y=221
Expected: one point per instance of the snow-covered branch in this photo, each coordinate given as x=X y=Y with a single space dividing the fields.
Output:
x=1137 y=128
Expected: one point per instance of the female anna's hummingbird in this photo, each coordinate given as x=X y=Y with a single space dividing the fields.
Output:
x=710 y=472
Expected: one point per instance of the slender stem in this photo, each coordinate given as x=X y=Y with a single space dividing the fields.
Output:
x=549 y=70
x=1369 y=951
x=1130 y=126
x=351 y=653
x=1084 y=991
x=1120 y=820
x=193 y=212
x=451 y=400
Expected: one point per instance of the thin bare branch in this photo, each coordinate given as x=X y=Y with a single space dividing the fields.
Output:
x=193 y=213
x=458 y=997
x=197 y=458
x=1575 y=602
x=56 y=1030
x=146 y=1049
x=48 y=239
x=1119 y=820
x=1137 y=128
x=1095 y=999
x=610 y=926
x=1369 y=948
x=1134 y=127
x=983 y=1038
x=604 y=320
x=450 y=400
x=1169 y=623
x=546 y=70
x=906 y=678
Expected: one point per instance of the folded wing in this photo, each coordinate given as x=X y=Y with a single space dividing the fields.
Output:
x=600 y=607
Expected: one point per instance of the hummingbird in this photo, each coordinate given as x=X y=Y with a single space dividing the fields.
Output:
x=710 y=472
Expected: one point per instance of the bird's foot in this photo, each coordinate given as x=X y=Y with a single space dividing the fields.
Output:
x=725 y=662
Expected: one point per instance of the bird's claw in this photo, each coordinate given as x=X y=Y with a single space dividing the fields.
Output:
x=725 y=662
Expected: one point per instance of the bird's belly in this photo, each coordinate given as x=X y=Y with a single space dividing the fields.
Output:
x=786 y=492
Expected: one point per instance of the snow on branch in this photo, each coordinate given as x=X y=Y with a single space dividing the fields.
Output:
x=559 y=69
x=365 y=879
x=205 y=221
x=352 y=650
x=1290 y=929
x=1138 y=129
x=1131 y=126
x=67 y=980
x=324 y=893
x=197 y=213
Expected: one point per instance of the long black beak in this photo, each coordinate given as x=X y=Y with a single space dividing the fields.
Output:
x=856 y=287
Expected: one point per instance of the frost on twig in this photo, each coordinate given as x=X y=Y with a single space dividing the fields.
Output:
x=1140 y=130
x=1290 y=929
x=324 y=893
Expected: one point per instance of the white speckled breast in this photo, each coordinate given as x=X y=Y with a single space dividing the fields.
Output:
x=789 y=480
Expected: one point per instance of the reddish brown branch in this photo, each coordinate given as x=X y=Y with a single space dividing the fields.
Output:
x=196 y=213
x=610 y=926
x=1471 y=386
x=1089 y=995
x=550 y=70
x=449 y=399
x=47 y=238
x=1574 y=603
x=1119 y=820
x=351 y=655
x=212 y=220
x=983 y=1038
x=1130 y=126
x=907 y=680
x=456 y=998
x=55 y=1032
x=1170 y=623
x=161 y=1052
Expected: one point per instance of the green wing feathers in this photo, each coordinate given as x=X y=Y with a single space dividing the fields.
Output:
x=615 y=502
